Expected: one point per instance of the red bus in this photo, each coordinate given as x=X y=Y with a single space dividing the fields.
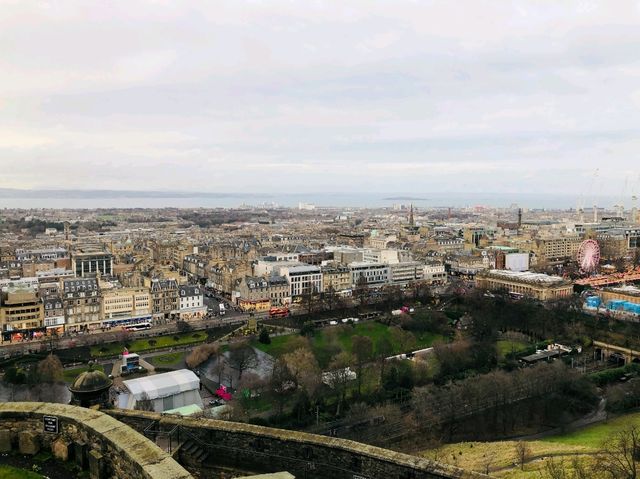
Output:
x=278 y=312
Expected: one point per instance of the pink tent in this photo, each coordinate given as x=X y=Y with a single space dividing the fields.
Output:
x=222 y=393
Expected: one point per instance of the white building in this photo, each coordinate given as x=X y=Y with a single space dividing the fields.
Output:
x=389 y=256
x=405 y=273
x=264 y=267
x=516 y=261
x=303 y=279
x=434 y=273
x=191 y=302
x=166 y=391
x=280 y=256
x=29 y=282
x=375 y=274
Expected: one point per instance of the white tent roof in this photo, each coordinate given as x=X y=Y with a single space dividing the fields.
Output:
x=163 y=385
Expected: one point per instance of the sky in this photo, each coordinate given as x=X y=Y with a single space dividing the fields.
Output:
x=325 y=96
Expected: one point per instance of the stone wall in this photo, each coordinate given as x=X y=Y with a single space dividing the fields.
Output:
x=307 y=456
x=105 y=447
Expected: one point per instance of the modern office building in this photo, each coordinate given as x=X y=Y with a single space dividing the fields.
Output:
x=375 y=274
x=303 y=279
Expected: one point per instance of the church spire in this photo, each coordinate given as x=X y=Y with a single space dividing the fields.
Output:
x=411 y=216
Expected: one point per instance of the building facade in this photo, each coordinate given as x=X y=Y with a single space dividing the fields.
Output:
x=21 y=314
x=303 y=279
x=90 y=263
x=374 y=274
x=534 y=285
x=53 y=314
x=556 y=249
x=82 y=305
x=191 y=302
x=164 y=298
x=336 y=277
x=125 y=303
x=406 y=272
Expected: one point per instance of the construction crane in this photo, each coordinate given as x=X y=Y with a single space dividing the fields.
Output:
x=581 y=200
x=619 y=207
x=634 y=201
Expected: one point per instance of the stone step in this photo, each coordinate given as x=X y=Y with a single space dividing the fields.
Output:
x=201 y=455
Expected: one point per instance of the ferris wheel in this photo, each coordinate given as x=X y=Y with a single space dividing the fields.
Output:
x=589 y=256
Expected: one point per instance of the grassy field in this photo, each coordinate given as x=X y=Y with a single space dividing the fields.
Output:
x=501 y=457
x=168 y=360
x=329 y=341
x=506 y=346
x=150 y=344
x=69 y=375
x=594 y=435
x=582 y=443
x=8 y=472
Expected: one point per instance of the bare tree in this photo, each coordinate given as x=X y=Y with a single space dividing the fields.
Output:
x=242 y=357
x=310 y=298
x=340 y=376
x=330 y=297
x=144 y=403
x=219 y=367
x=404 y=339
x=558 y=469
x=361 y=291
x=488 y=458
x=362 y=351
x=620 y=454
x=201 y=354
x=282 y=383
x=384 y=349
x=50 y=370
x=523 y=452
x=304 y=369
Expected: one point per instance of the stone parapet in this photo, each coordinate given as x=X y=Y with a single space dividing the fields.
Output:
x=111 y=448
x=263 y=449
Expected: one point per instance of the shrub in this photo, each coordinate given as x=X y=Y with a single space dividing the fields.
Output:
x=152 y=342
x=201 y=354
x=264 y=336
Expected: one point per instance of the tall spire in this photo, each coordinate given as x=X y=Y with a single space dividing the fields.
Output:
x=411 y=216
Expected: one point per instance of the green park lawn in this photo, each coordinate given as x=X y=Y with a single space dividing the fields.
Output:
x=329 y=341
x=506 y=346
x=9 y=472
x=582 y=443
x=139 y=345
x=593 y=436
x=69 y=375
x=168 y=360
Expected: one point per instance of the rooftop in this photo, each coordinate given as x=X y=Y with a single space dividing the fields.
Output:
x=163 y=385
x=526 y=277
x=627 y=289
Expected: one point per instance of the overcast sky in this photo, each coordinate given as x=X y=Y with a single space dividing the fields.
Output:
x=344 y=96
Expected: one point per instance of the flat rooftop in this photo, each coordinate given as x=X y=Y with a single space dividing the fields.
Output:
x=628 y=289
x=526 y=277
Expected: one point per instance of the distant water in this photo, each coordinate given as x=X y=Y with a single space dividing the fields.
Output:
x=363 y=200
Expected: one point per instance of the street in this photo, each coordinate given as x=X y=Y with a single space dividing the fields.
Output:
x=90 y=339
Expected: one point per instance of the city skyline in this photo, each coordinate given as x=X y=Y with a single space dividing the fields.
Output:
x=327 y=97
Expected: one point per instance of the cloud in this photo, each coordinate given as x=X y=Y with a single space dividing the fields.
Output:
x=341 y=95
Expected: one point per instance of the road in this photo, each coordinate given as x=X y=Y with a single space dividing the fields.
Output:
x=116 y=334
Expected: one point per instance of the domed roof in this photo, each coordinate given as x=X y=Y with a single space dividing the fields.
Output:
x=92 y=380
